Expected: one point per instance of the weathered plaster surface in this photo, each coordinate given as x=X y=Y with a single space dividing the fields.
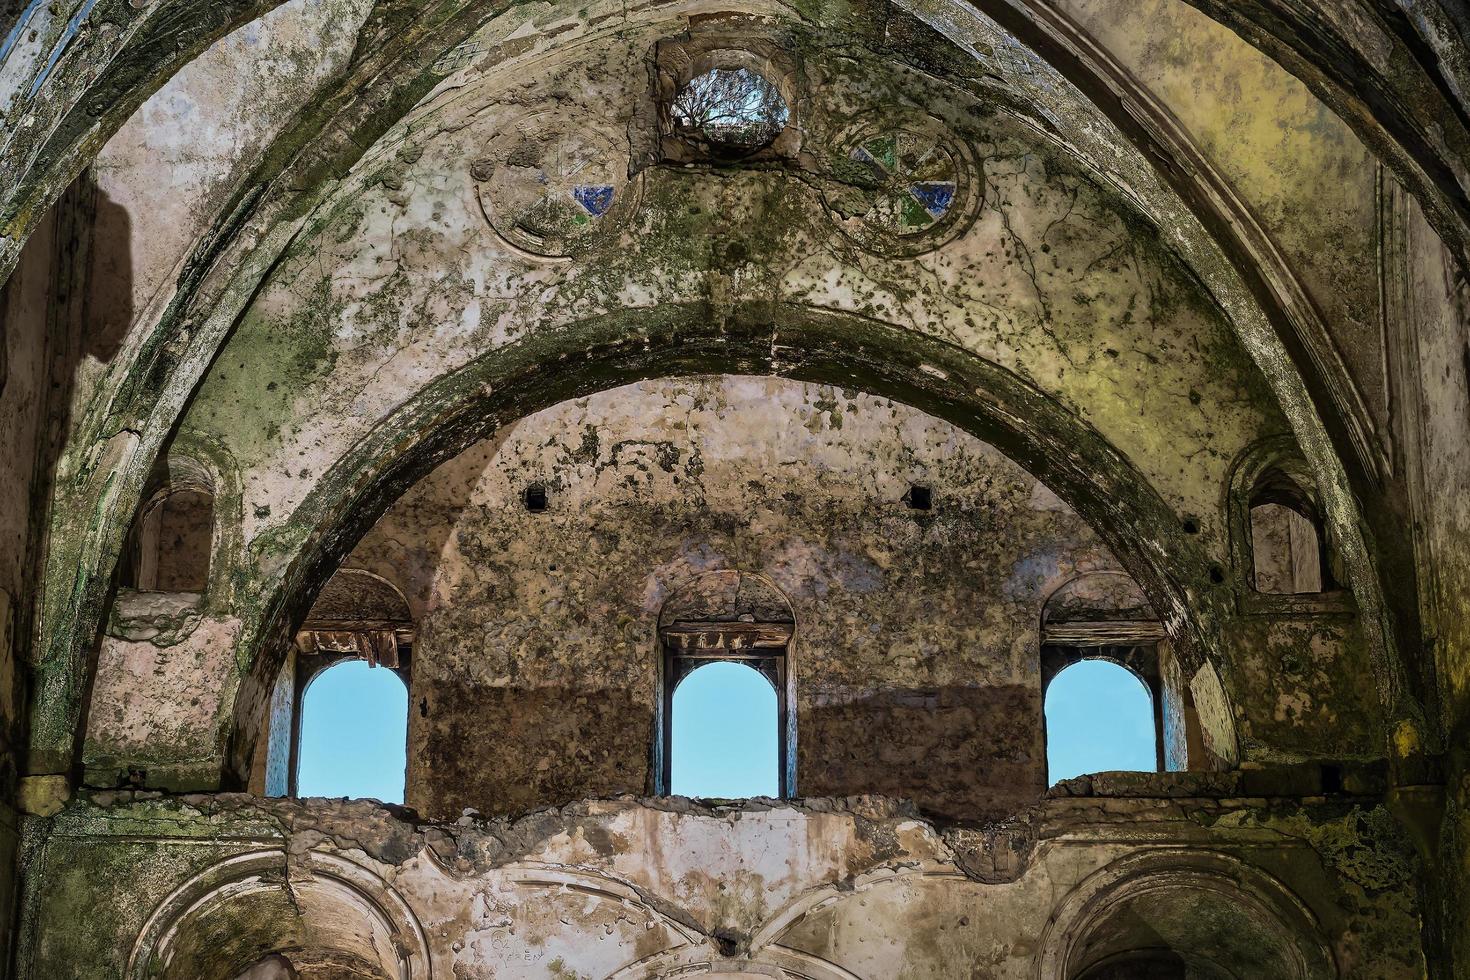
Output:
x=398 y=285
x=159 y=702
x=25 y=311
x=916 y=658
x=1301 y=170
x=590 y=890
x=406 y=282
x=60 y=686
x=168 y=171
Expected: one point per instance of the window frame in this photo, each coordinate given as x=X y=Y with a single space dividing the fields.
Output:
x=763 y=647
x=308 y=667
x=742 y=42
x=1139 y=659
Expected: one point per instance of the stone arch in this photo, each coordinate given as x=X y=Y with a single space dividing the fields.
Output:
x=325 y=909
x=1192 y=904
x=1223 y=246
x=1038 y=433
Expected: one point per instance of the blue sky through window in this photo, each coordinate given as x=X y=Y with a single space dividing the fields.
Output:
x=1099 y=718
x=724 y=737
x=354 y=724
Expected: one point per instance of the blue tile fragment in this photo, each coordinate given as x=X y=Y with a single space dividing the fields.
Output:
x=594 y=198
x=935 y=195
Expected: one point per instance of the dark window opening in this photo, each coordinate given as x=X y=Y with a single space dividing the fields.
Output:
x=1288 y=547
x=1161 y=964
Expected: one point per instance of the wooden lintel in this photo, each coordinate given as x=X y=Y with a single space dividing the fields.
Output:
x=1103 y=634
x=737 y=636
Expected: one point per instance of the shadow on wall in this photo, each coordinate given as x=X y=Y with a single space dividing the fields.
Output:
x=69 y=300
x=109 y=305
x=954 y=751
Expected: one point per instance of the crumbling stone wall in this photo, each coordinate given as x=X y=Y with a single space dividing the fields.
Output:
x=206 y=887
x=402 y=301
x=403 y=296
x=916 y=655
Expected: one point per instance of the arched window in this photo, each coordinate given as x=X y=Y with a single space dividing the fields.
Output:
x=347 y=677
x=1100 y=717
x=171 y=541
x=354 y=733
x=725 y=733
x=725 y=728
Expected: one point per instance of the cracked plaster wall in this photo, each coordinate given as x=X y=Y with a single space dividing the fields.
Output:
x=916 y=660
x=401 y=281
x=1301 y=170
x=587 y=891
x=325 y=354
x=404 y=282
x=198 y=135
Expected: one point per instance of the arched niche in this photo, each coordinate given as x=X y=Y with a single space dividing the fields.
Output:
x=325 y=916
x=1283 y=554
x=735 y=617
x=1181 y=915
x=171 y=544
x=1105 y=615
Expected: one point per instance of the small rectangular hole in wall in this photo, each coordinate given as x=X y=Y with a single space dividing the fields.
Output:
x=919 y=498
x=1331 y=779
x=535 y=497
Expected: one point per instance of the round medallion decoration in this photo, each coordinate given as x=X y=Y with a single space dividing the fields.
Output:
x=902 y=191
x=552 y=195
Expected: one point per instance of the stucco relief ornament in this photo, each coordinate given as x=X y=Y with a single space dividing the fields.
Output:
x=554 y=195
x=903 y=190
